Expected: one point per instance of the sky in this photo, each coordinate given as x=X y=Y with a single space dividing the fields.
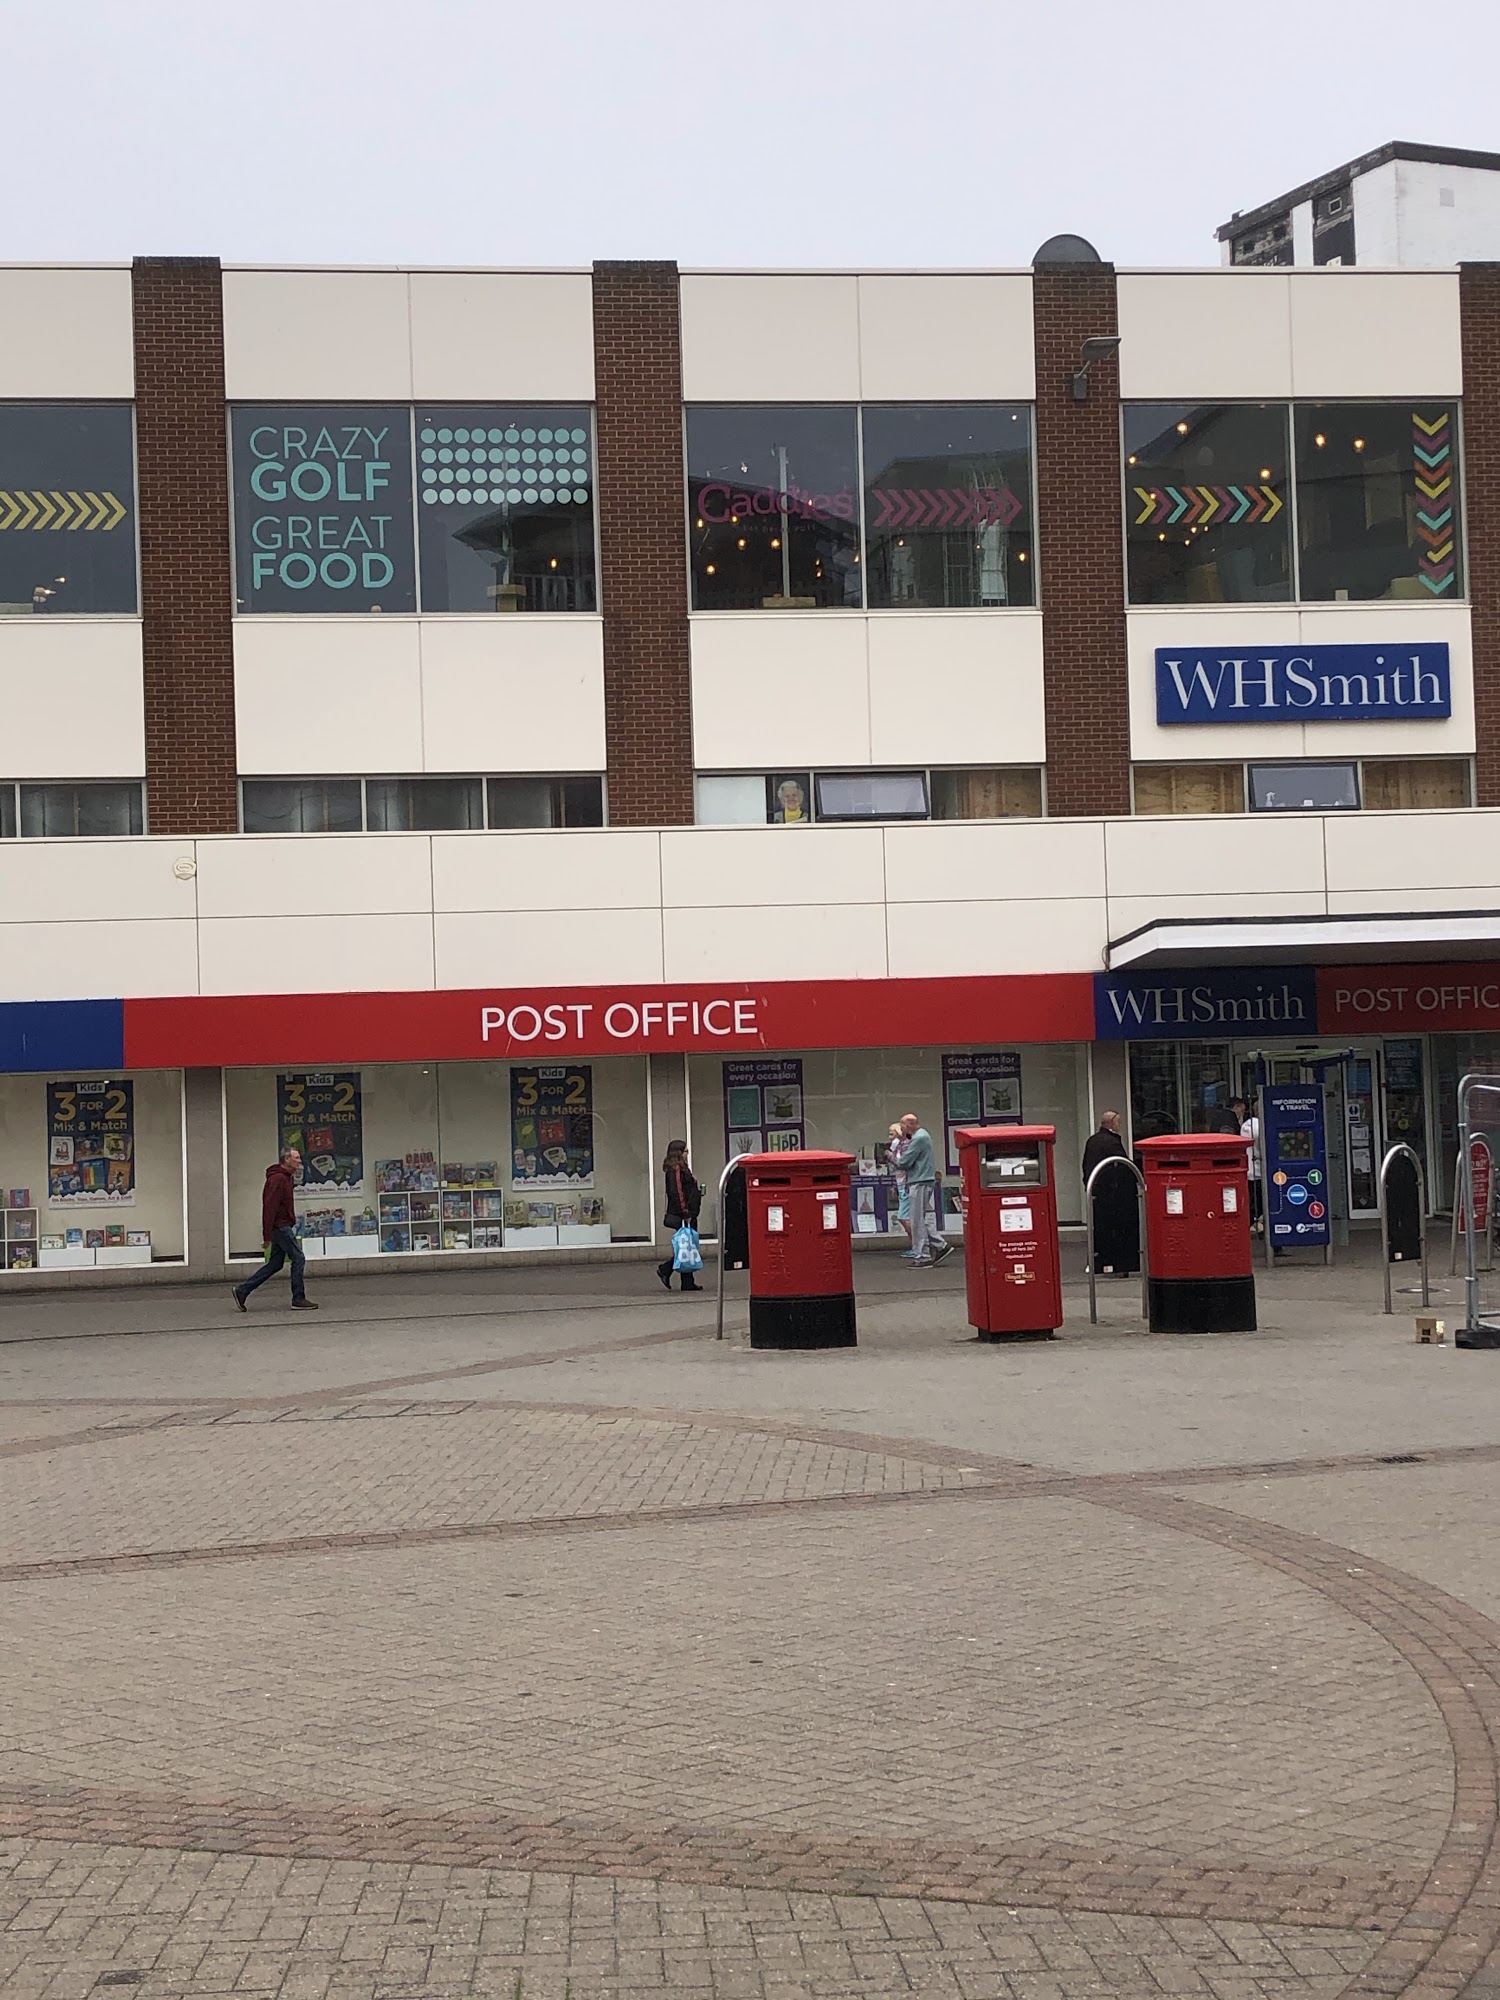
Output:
x=723 y=132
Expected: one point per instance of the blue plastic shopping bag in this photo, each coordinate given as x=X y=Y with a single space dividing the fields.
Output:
x=686 y=1256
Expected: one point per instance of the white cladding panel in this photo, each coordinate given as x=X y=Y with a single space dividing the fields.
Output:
x=66 y=334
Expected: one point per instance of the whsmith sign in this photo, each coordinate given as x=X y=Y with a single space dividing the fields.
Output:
x=1303 y=684
x=1166 y=1006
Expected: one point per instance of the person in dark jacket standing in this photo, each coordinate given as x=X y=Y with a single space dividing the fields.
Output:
x=278 y=1221
x=1117 y=1224
x=684 y=1199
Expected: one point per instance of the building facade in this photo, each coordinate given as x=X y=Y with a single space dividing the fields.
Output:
x=1403 y=204
x=479 y=724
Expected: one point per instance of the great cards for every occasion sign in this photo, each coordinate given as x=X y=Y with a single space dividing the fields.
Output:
x=552 y=1125
x=91 y=1144
x=763 y=1105
x=982 y=1087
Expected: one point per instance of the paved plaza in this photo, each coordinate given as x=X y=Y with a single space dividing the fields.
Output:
x=504 y=1634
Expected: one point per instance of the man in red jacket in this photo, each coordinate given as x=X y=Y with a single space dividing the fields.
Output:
x=278 y=1217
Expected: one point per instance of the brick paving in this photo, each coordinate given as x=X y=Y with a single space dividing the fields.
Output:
x=332 y=1678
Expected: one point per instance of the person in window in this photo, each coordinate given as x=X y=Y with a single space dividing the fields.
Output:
x=791 y=803
x=684 y=1199
x=1117 y=1221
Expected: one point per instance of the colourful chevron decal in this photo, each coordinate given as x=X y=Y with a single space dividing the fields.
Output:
x=1201 y=506
x=1432 y=453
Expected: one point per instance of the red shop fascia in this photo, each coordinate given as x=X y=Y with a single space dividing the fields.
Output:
x=322 y=1029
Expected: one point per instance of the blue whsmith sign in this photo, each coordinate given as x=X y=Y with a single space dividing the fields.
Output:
x=1388 y=683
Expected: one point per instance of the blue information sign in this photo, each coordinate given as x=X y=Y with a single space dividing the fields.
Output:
x=1296 y=1166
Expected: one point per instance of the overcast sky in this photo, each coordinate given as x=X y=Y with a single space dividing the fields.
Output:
x=761 y=132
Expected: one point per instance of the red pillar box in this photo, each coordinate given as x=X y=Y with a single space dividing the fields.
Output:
x=801 y=1249
x=1198 y=1244
x=1010 y=1231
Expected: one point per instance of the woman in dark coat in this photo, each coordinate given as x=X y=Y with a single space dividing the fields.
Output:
x=684 y=1199
x=1117 y=1224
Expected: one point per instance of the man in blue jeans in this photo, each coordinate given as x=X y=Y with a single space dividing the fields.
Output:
x=919 y=1164
x=278 y=1219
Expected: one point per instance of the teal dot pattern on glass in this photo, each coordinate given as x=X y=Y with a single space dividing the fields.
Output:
x=541 y=465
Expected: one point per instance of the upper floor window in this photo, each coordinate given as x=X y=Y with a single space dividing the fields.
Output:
x=816 y=506
x=506 y=518
x=1206 y=512
x=325 y=499
x=799 y=798
x=97 y=809
x=67 y=509
x=1210 y=507
x=1377 y=501
x=948 y=505
x=774 y=500
x=417 y=805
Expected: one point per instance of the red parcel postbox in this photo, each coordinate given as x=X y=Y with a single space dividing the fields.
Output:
x=801 y=1249
x=1010 y=1231
x=1198 y=1252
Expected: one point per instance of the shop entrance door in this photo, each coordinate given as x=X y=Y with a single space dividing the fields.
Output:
x=1353 y=1121
x=1180 y=1087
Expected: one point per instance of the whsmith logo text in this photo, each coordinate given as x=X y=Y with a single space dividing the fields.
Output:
x=1141 y=1007
x=1307 y=684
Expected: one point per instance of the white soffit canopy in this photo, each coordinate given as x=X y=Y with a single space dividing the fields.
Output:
x=1351 y=940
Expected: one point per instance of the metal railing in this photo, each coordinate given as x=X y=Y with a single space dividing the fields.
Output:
x=1464 y=1209
x=1115 y=1160
x=729 y=1167
x=1396 y=1152
x=1487 y=1330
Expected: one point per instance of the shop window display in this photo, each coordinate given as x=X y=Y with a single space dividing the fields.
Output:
x=1378 y=511
x=773 y=507
x=847 y=1099
x=91 y=1170
x=947 y=491
x=68 y=467
x=414 y=1158
x=1206 y=515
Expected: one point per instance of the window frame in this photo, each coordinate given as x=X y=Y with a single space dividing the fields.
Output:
x=481 y=778
x=19 y=786
x=816 y=773
x=1245 y=764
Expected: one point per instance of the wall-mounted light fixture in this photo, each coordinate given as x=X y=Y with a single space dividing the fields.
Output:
x=1095 y=348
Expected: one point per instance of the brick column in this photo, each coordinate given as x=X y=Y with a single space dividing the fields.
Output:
x=1479 y=318
x=1081 y=545
x=648 y=721
x=183 y=485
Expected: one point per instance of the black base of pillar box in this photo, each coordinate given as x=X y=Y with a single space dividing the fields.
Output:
x=1036 y=1333
x=1201 y=1305
x=803 y=1322
x=1476 y=1336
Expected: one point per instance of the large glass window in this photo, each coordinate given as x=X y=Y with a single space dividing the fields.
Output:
x=773 y=494
x=797 y=798
x=323 y=509
x=506 y=516
x=986 y=794
x=1415 y=784
x=7 y=812
x=872 y=795
x=67 y=508
x=1206 y=519
x=301 y=805
x=61 y=812
x=1377 y=500
x=948 y=505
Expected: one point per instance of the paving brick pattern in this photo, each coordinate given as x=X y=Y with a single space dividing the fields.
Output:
x=393 y=1688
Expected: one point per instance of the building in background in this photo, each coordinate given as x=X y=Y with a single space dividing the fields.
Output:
x=1401 y=204
x=475 y=725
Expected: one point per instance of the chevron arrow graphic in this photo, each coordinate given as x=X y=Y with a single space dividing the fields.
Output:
x=12 y=508
x=1434 y=427
x=1430 y=457
x=119 y=512
x=1210 y=505
x=1273 y=502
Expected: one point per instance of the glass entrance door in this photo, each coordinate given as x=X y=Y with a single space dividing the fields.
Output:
x=1362 y=1130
